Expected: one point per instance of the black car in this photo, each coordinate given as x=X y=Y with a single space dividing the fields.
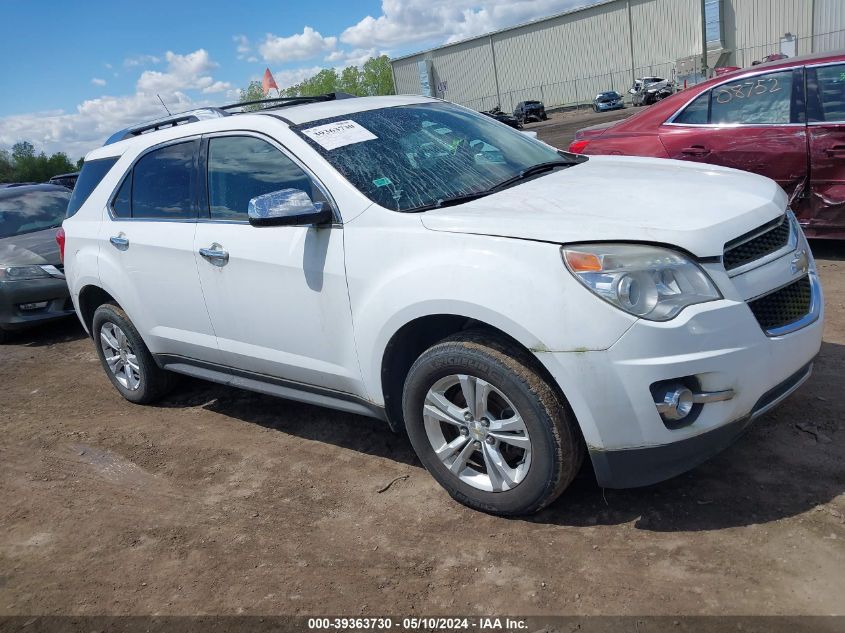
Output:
x=32 y=280
x=65 y=180
x=528 y=111
x=610 y=100
x=507 y=119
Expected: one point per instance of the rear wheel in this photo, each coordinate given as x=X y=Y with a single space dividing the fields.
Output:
x=487 y=426
x=125 y=357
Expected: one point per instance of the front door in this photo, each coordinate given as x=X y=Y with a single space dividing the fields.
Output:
x=277 y=296
x=755 y=124
x=824 y=213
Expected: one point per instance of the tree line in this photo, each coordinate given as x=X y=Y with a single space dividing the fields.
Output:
x=22 y=164
x=372 y=79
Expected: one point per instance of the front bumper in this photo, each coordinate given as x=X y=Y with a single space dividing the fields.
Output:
x=605 y=106
x=14 y=293
x=719 y=345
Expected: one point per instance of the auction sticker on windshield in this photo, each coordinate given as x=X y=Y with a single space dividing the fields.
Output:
x=338 y=134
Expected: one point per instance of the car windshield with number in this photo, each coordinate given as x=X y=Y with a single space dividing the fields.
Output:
x=414 y=157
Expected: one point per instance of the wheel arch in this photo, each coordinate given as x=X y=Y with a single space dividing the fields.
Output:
x=92 y=297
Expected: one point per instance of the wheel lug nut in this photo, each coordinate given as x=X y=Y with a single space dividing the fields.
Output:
x=467 y=416
x=464 y=431
x=485 y=422
x=490 y=439
x=478 y=445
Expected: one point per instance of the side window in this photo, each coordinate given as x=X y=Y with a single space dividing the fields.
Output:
x=696 y=113
x=122 y=204
x=763 y=99
x=243 y=167
x=163 y=184
x=92 y=174
x=831 y=90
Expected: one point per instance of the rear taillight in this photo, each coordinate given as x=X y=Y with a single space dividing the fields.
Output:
x=60 y=240
x=577 y=147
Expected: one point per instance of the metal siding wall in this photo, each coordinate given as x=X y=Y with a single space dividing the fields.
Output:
x=468 y=70
x=550 y=60
x=407 y=75
x=829 y=26
x=761 y=23
x=664 y=32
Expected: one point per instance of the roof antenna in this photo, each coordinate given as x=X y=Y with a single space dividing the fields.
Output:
x=162 y=103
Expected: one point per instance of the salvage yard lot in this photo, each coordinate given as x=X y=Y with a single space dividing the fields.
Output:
x=224 y=501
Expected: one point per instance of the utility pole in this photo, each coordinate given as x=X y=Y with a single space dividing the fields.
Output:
x=703 y=39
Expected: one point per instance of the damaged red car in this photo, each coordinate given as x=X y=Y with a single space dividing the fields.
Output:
x=783 y=119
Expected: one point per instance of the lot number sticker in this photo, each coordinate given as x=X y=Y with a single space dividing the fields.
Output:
x=334 y=135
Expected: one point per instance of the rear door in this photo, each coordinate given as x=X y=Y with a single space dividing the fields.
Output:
x=147 y=256
x=755 y=123
x=824 y=212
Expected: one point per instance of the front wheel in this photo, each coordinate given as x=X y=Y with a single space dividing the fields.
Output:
x=487 y=426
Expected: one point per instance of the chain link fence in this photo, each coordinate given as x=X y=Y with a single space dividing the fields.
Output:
x=579 y=92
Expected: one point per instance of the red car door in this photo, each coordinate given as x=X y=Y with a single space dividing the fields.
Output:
x=754 y=123
x=824 y=209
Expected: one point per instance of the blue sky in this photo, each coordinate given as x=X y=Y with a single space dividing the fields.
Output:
x=92 y=67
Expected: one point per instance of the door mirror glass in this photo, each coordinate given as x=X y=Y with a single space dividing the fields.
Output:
x=287 y=207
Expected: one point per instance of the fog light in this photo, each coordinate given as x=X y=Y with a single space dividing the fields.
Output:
x=33 y=306
x=677 y=403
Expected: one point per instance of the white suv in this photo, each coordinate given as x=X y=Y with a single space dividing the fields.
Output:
x=509 y=306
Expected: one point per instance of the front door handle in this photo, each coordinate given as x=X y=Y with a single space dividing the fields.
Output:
x=837 y=151
x=119 y=241
x=215 y=255
x=695 y=150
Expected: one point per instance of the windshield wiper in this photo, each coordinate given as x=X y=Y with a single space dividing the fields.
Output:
x=539 y=168
x=450 y=202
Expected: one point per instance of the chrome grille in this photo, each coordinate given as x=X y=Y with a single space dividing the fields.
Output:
x=784 y=306
x=757 y=244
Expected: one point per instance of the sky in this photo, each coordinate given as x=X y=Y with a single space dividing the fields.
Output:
x=74 y=73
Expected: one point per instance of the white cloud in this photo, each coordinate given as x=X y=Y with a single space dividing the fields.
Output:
x=404 y=22
x=140 y=60
x=306 y=45
x=98 y=82
x=242 y=46
x=289 y=77
x=355 y=57
x=94 y=120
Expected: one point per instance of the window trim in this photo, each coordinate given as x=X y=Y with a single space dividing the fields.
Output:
x=110 y=206
x=202 y=183
x=671 y=120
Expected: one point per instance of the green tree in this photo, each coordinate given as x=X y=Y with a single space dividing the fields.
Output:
x=377 y=76
x=350 y=81
x=23 y=165
x=7 y=166
x=253 y=92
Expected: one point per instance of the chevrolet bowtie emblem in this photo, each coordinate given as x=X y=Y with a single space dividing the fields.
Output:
x=800 y=262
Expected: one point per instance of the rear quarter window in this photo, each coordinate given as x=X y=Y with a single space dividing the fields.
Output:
x=91 y=175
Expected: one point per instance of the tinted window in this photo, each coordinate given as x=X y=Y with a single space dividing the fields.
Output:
x=90 y=176
x=163 y=183
x=696 y=112
x=243 y=167
x=28 y=210
x=122 y=204
x=831 y=88
x=762 y=99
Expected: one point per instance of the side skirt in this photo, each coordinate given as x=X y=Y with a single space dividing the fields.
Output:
x=271 y=385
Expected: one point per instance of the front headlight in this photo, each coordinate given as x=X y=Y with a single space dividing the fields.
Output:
x=19 y=273
x=646 y=281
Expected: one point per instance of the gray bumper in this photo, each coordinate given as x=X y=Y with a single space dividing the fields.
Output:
x=14 y=293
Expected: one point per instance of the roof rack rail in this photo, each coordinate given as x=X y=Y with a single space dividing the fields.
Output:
x=191 y=116
x=281 y=102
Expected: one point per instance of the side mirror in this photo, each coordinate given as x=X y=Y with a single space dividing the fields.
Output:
x=287 y=207
x=632 y=91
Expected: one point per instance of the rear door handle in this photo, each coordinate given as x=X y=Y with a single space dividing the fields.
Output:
x=119 y=241
x=837 y=151
x=215 y=255
x=695 y=150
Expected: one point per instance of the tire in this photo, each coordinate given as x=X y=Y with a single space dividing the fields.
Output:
x=141 y=381
x=533 y=477
x=4 y=336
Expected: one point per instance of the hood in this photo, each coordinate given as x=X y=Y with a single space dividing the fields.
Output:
x=618 y=198
x=30 y=249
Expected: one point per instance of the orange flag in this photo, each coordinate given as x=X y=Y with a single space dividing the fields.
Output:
x=268 y=81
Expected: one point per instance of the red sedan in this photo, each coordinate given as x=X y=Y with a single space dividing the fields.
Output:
x=783 y=119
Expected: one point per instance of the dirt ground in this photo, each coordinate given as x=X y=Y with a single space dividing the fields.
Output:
x=221 y=501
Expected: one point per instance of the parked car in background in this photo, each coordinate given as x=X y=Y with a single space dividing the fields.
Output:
x=650 y=90
x=32 y=281
x=530 y=111
x=783 y=119
x=610 y=100
x=511 y=307
x=65 y=180
x=507 y=119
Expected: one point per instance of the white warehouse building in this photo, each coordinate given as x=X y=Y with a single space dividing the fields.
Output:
x=568 y=58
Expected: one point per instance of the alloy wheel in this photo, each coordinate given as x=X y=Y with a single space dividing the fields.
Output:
x=119 y=355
